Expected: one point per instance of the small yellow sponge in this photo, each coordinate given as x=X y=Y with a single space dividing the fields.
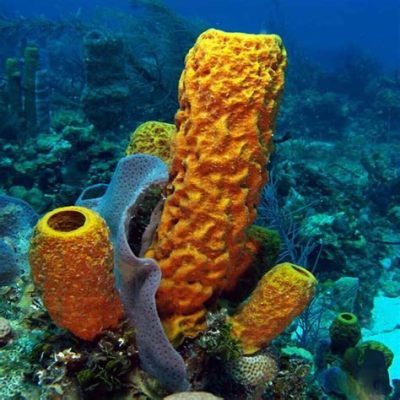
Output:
x=281 y=295
x=72 y=266
x=152 y=138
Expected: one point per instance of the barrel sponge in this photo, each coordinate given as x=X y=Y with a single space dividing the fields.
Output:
x=228 y=94
x=280 y=296
x=345 y=332
x=71 y=258
x=152 y=138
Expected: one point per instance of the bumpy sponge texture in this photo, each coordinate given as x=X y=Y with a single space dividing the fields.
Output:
x=152 y=138
x=228 y=95
x=72 y=265
x=280 y=296
x=345 y=332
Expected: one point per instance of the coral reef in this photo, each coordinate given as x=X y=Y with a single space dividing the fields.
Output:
x=5 y=332
x=71 y=257
x=192 y=396
x=42 y=97
x=334 y=170
x=215 y=179
x=17 y=219
x=31 y=66
x=14 y=90
x=9 y=268
x=253 y=370
x=105 y=94
x=350 y=369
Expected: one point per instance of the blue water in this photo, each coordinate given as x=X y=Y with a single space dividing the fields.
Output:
x=321 y=27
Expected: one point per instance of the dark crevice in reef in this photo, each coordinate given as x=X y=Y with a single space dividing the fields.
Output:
x=141 y=215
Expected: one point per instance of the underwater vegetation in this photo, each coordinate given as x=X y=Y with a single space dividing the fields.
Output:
x=247 y=249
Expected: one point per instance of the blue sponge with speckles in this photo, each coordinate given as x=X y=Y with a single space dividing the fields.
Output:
x=140 y=281
x=132 y=175
x=139 y=277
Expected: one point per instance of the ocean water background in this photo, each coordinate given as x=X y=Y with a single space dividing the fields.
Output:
x=321 y=28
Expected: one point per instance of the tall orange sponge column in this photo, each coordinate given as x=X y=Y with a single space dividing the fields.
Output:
x=228 y=94
x=71 y=259
x=280 y=296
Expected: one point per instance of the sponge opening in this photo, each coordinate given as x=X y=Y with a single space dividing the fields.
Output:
x=66 y=221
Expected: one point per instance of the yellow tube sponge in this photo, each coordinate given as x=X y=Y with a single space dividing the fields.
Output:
x=228 y=95
x=281 y=295
x=152 y=138
x=71 y=259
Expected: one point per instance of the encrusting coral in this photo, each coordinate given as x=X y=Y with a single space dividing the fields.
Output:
x=280 y=296
x=229 y=93
x=154 y=138
x=71 y=258
x=253 y=370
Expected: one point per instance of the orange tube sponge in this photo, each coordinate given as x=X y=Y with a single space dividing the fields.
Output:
x=72 y=266
x=152 y=138
x=228 y=94
x=280 y=296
